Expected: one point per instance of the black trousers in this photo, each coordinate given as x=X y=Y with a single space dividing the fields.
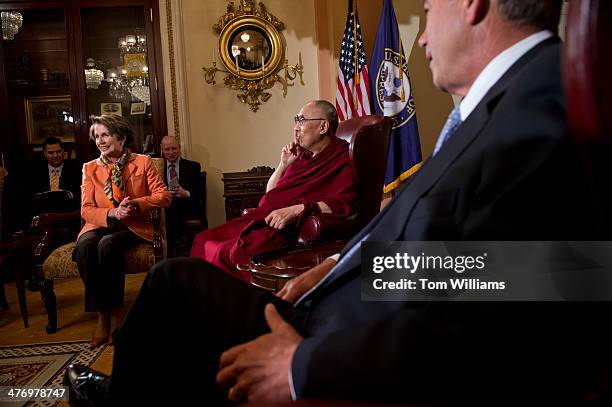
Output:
x=188 y=312
x=99 y=257
x=175 y=225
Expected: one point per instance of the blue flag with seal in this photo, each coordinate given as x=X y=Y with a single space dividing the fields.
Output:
x=392 y=97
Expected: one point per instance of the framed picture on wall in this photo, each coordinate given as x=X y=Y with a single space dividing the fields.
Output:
x=110 y=108
x=49 y=116
x=138 y=108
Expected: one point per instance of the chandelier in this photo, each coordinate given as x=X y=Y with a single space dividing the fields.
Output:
x=131 y=79
x=11 y=23
x=93 y=76
x=133 y=44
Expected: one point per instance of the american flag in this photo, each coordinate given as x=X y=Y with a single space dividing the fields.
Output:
x=353 y=94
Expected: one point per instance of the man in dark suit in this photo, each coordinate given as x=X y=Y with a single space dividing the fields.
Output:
x=504 y=169
x=182 y=177
x=28 y=188
x=56 y=174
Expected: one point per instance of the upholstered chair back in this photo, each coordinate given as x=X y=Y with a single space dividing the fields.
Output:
x=369 y=139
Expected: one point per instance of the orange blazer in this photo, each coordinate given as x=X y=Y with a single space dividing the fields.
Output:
x=142 y=183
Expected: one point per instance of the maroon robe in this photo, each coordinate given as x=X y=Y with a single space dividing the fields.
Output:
x=325 y=177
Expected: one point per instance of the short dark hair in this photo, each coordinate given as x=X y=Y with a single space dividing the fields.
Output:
x=116 y=125
x=51 y=141
x=544 y=14
x=330 y=113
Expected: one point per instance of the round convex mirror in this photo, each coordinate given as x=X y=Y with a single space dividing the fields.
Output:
x=251 y=48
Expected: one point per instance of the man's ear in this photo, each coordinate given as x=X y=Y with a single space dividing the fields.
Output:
x=476 y=10
x=324 y=126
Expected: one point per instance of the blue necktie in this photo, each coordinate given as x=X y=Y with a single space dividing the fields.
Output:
x=451 y=125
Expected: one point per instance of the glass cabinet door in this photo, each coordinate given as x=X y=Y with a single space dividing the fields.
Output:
x=116 y=62
x=38 y=98
x=63 y=61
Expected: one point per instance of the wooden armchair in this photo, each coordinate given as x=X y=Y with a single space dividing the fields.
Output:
x=324 y=234
x=53 y=260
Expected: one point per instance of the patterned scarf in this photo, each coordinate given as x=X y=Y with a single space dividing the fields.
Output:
x=114 y=187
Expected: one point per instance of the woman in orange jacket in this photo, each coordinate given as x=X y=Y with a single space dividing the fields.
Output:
x=118 y=190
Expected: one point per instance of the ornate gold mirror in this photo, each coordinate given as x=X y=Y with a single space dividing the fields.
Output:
x=251 y=50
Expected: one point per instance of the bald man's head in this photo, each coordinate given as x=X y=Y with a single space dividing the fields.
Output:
x=170 y=148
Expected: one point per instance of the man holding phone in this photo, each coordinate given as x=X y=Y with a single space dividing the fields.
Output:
x=182 y=177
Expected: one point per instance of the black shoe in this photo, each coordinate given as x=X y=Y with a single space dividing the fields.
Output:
x=86 y=387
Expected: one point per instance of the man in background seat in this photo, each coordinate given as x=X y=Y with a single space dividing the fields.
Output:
x=182 y=177
x=26 y=189
x=57 y=175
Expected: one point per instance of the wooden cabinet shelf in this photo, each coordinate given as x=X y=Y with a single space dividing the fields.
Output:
x=50 y=84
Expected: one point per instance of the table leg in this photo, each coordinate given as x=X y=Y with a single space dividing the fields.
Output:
x=3 y=303
x=21 y=295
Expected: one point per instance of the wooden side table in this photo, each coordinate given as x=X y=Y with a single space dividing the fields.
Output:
x=244 y=189
x=19 y=248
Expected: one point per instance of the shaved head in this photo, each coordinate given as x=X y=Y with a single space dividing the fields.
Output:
x=170 y=148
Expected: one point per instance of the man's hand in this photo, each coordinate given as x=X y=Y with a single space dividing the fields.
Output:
x=279 y=218
x=179 y=192
x=259 y=369
x=298 y=286
x=289 y=154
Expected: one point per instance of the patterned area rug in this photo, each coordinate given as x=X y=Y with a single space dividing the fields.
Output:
x=42 y=365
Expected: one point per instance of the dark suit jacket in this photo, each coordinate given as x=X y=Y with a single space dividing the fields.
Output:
x=70 y=180
x=508 y=173
x=189 y=179
x=28 y=179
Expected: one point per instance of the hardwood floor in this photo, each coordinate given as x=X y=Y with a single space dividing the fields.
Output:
x=73 y=322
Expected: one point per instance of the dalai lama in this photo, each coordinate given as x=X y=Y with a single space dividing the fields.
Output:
x=313 y=176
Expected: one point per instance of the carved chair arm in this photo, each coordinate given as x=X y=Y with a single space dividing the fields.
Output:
x=48 y=220
x=47 y=226
x=158 y=244
x=322 y=226
x=247 y=211
x=326 y=226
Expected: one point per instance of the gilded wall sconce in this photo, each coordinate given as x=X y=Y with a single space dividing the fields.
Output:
x=251 y=51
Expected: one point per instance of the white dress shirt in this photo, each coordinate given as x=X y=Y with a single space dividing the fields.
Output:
x=51 y=169
x=176 y=167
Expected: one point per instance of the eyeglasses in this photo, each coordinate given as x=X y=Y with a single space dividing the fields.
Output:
x=300 y=120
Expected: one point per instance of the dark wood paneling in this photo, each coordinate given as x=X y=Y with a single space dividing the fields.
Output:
x=159 y=110
x=51 y=43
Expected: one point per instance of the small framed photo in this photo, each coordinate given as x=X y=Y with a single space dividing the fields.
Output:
x=138 y=108
x=49 y=116
x=110 y=108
